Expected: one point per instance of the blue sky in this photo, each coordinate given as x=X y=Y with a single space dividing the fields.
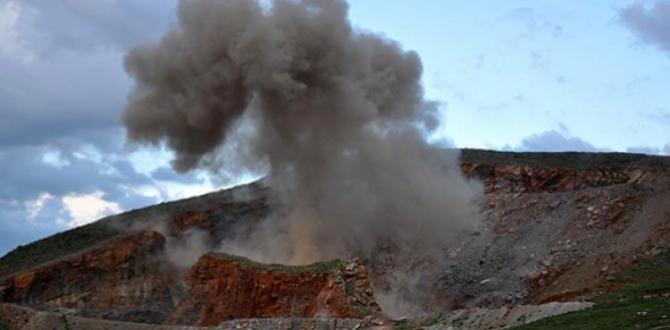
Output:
x=510 y=75
x=510 y=69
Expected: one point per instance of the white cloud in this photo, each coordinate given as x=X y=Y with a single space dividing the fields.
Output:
x=55 y=158
x=12 y=45
x=35 y=206
x=174 y=191
x=554 y=141
x=148 y=159
x=151 y=191
x=86 y=208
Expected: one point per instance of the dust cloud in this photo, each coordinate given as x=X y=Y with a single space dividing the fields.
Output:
x=334 y=116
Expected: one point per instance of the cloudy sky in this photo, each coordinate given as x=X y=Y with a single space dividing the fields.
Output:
x=510 y=75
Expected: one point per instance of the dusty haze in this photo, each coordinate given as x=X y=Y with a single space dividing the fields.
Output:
x=335 y=116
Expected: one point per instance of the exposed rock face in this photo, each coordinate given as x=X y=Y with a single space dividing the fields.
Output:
x=218 y=216
x=558 y=226
x=515 y=178
x=223 y=287
x=128 y=279
x=121 y=279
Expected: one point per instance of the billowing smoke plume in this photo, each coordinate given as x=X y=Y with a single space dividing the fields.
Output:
x=336 y=116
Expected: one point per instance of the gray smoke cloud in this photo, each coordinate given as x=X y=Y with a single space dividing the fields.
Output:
x=335 y=116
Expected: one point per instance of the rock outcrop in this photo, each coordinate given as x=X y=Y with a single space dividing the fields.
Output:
x=224 y=287
x=121 y=279
x=128 y=279
x=521 y=178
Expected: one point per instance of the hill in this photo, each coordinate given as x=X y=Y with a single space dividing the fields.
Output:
x=560 y=232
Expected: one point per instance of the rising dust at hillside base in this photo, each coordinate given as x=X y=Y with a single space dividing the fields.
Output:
x=334 y=115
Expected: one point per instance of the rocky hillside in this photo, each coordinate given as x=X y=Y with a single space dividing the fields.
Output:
x=558 y=225
x=559 y=231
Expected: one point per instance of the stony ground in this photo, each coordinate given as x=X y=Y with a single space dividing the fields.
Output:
x=557 y=234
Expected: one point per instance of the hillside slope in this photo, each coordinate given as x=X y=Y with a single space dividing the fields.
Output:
x=557 y=227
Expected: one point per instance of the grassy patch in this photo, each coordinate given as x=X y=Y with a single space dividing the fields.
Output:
x=420 y=323
x=642 y=303
x=54 y=247
x=406 y=325
x=323 y=267
x=66 y=324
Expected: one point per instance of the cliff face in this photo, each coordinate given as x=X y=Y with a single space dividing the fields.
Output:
x=127 y=279
x=556 y=227
x=223 y=287
x=513 y=178
x=121 y=279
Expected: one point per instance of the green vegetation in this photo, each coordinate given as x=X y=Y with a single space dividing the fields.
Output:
x=420 y=323
x=438 y=321
x=66 y=324
x=54 y=247
x=406 y=325
x=322 y=267
x=642 y=303
x=568 y=160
